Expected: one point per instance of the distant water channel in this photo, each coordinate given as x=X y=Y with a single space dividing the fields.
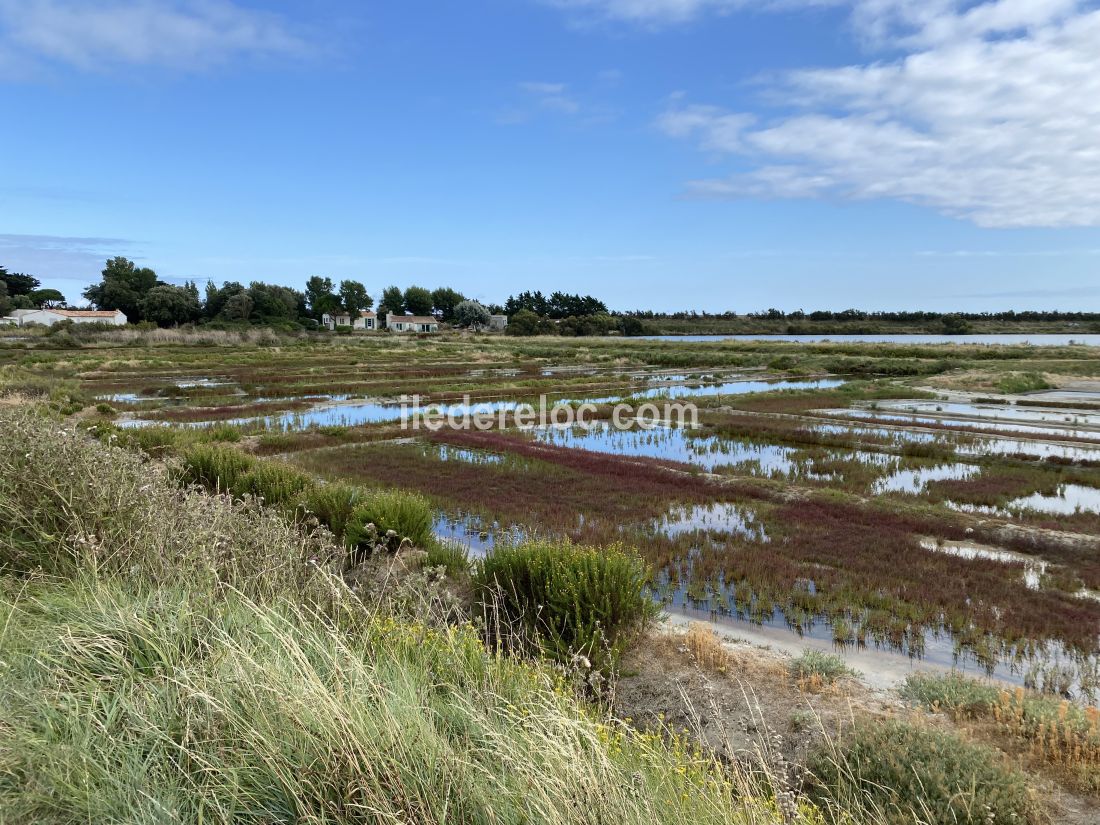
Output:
x=1039 y=340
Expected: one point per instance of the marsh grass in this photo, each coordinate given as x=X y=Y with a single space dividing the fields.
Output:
x=563 y=600
x=909 y=774
x=1059 y=735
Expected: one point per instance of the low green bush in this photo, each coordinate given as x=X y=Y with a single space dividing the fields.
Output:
x=274 y=482
x=562 y=600
x=827 y=667
x=906 y=774
x=450 y=555
x=216 y=467
x=407 y=514
x=332 y=504
x=1018 y=382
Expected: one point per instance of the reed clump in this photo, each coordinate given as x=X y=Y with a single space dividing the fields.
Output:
x=563 y=600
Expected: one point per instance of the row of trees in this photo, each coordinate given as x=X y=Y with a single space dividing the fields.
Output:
x=142 y=296
x=558 y=305
x=21 y=291
x=139 y=293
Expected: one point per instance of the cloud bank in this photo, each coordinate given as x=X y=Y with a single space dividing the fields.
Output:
x=988 y=112
x=102 y=34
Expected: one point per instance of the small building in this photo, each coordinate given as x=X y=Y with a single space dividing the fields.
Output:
x=411 y=323
x=498 y=322
x=366 y=320
x=49 y=317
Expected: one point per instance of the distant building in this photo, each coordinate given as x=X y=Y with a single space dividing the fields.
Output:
x=411 y=323
x=49 y=317
x=366 y=320
x=498 y=322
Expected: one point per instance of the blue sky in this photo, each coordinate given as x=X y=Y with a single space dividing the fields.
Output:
x=664 y=154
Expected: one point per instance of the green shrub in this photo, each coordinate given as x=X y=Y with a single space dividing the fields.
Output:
x=906 y=774
x=224 y=432
x=827 y=667
x=157 y=441
x=1018 y=382
x=407 y=514
x=216 y=467
x=561 y=599
x=951 y=692
x=275 y=483
x=332 y=504
x=450 y=555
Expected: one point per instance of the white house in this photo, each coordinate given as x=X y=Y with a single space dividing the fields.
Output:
x=49 y=317
x=498 y=322
x=367 y=320
x=411 y=323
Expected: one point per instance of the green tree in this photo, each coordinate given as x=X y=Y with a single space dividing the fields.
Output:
x=123 y=286
x=418 y=300
x=394 y=299
x=168 y=305
x=18 y=283
x=6 y=306
x=354 y=297
x=321 y=297
x=955 y=325
x=216 y=299
x=237 y=307
x=444 y=300
x=523 y=322
x=47 y=298
x=272 y=301
x=471 y=314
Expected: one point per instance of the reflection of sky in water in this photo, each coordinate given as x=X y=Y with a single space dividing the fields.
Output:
x=1034 y=568
x=706 y=451
x=1048 y=431
x=376 y=412
x=1070 y=499
x=719 y=517
x=914 y=481
x=1039 y=339
x=994 y=412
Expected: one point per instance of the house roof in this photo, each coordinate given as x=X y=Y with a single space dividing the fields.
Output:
x=415 y=319
x=86 y=313
x=366 y=313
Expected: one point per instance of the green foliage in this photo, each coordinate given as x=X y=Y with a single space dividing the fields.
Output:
x=272 y=481
x=168 y=305
x=344 y=329
x=561 y=599
x=523 y=323
x=471 y=314
x=124 y=706
x=123 y=286
x=1019 y=382
x=955 y=325
x=321 y=297
x=418 y=300
x=444 y=300
x=407 y=514
x=354 y=297
x=332 y=504
x=216 y=467
x=454 y=557
x=393 y=300
x=908 y=774
x=827 y=667
x=47 y=298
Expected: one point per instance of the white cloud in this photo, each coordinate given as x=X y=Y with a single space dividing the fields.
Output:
x=992 y=114
x=97 y=34
x=553 y=96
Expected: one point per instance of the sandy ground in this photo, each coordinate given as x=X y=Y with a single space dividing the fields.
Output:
x=754 y=709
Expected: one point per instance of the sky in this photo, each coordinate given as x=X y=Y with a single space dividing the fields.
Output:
x=715 y=155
